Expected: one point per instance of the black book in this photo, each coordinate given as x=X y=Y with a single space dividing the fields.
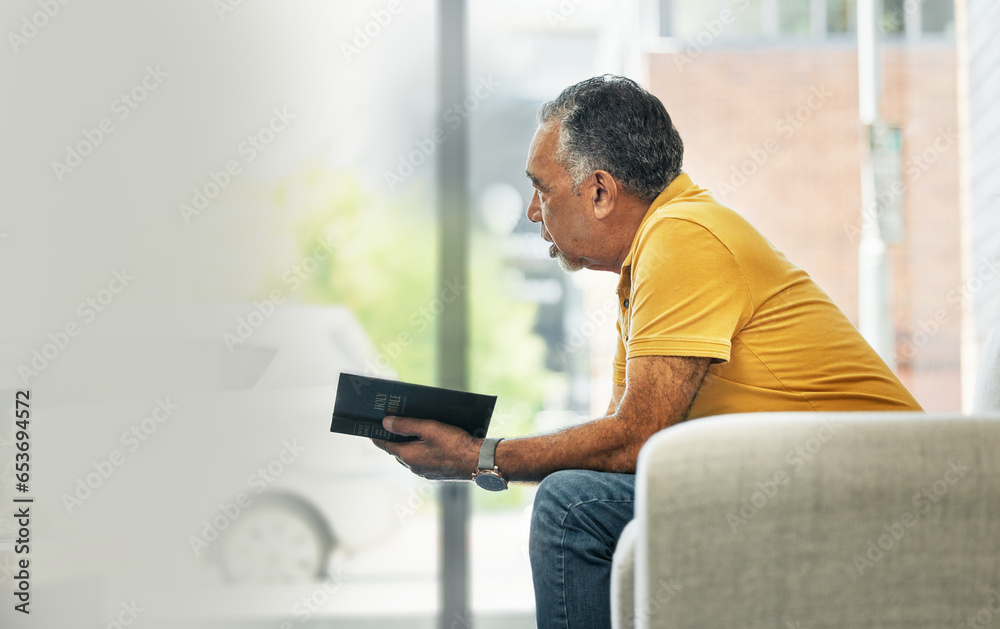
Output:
x=362 y=403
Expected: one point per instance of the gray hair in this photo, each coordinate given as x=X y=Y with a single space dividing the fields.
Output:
x=611 y=123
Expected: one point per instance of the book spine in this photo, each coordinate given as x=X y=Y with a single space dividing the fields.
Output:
x=364 y=429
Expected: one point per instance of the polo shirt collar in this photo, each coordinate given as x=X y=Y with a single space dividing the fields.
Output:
x=680 y=184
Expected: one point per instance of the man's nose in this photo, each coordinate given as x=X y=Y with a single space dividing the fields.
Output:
x=534 y=212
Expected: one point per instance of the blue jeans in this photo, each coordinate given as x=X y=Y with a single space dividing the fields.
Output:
x=575 y=525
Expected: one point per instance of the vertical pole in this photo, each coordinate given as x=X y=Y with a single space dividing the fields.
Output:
x=769 y=18
x=452 y=333
x=817 y=18
x=869 y=81
x=632 y=34
x=914 y=18
x=874 y=286
x=969 y=343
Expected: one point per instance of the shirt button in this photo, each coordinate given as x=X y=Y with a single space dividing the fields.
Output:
x=626 y=303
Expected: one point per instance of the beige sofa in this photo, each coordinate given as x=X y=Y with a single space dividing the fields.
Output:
x=818 y=520
x=814 y=520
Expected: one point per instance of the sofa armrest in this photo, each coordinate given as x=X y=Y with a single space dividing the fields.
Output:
x=819 y=520
x=623 y=579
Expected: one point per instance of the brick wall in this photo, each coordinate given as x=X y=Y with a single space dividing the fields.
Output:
x=774 y=134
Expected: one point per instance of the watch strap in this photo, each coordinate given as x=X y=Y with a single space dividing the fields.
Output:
x=487 y=453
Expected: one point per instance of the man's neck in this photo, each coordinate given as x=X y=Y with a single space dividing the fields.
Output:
x=631 y=218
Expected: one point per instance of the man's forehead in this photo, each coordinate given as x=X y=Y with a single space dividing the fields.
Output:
x=540 y=152
x=545 y=137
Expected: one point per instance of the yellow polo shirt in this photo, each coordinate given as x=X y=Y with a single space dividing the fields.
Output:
x=700 y=280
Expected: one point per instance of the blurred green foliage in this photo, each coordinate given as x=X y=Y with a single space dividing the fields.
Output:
x=383 y=268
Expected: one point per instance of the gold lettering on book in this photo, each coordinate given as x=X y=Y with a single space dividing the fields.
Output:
x=393 y=404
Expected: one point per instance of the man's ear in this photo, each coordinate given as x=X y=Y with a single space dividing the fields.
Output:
x=604 y=194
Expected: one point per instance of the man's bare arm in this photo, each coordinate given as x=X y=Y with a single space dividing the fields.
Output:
x=657 y=394
x=616 y=397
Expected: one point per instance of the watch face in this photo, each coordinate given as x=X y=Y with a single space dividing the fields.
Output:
x=490 y=481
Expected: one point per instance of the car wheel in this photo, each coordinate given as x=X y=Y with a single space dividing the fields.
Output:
x=279 y=539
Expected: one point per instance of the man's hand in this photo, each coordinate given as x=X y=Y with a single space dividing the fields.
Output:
x=658 y=392
x=442 y=452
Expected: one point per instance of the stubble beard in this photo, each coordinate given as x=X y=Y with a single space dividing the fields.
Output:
x=567 y=265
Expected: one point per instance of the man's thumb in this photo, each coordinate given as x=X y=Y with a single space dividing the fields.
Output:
x=400 y=425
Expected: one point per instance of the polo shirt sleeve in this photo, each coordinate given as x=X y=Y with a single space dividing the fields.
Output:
x=618 y=368
x=688 y=294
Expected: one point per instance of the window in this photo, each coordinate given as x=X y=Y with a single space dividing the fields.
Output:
x=840 y=16
x=793 y=17
x=742 y=20
x=894 y=16
x=938 y=16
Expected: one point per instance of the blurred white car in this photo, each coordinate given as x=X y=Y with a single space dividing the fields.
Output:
x=162 y=449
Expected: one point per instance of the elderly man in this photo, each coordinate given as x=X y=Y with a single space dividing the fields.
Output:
x=712 y=319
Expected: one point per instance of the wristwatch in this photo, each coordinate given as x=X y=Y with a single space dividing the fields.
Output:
x=487 y=474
